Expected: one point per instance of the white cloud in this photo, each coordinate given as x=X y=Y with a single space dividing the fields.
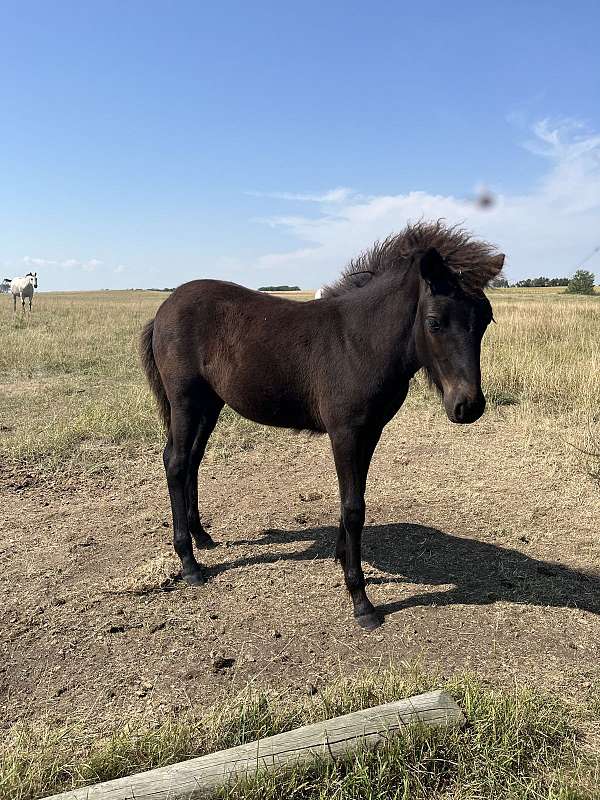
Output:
x=119 y=268
x=546 y=231
x=333 y=196
x=38 y=262
x=69 y=263
x=91 y=265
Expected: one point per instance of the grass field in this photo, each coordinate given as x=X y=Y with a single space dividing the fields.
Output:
x=484 y=538
x=518 y=745
x=70 y=374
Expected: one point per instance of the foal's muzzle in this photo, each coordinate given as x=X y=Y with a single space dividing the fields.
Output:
x=462 y=408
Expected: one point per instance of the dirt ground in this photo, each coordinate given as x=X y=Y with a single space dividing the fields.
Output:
x=481 y=547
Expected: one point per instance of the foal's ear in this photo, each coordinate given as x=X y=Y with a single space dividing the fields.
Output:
x=433 y=269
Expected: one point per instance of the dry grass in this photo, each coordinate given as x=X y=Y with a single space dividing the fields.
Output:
x=518 y=744
x=72 y=396
x=72 y=389
x=153 y=575
x=71 y=386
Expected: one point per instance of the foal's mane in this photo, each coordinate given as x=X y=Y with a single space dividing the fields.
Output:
x=473 y=261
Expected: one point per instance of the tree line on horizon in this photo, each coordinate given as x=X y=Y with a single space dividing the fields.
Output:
x=582 y=282
x=528 y=283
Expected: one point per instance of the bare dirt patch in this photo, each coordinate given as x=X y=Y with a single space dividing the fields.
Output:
x=481 y=550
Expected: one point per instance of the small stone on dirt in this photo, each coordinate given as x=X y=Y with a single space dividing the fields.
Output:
x=220 y=662
x=158 y=627
x=116 y=629
x=308 y=497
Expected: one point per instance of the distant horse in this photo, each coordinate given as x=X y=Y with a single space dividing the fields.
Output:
x=5 y=286
x=319 y=293
x=23 y=288
x=340 y=365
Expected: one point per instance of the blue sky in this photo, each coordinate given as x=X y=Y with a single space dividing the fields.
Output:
x=146 y=143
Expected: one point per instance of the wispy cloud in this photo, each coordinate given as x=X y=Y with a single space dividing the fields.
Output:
x=91 y=265
x=69 y=264
x=547 y=230
x=38 y=262
x=333 y=196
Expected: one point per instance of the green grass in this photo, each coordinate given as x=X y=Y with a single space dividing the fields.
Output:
x=518 y=745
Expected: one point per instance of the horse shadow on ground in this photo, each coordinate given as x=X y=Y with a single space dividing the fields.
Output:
x=479 y=572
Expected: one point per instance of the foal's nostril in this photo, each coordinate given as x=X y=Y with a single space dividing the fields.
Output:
x=459 y=412
x=468 y=410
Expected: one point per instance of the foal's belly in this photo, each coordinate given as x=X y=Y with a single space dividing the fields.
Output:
x=262 y=398
x=268 y=410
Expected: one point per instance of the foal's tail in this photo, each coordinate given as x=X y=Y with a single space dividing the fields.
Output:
x=153 y=375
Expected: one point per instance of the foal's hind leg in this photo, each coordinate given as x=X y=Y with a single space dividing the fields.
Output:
x=210 y=414
x=177 y=461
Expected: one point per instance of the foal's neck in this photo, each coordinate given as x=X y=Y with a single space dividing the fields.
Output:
x=381 y=317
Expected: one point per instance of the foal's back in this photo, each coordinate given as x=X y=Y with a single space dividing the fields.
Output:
x=259 y=353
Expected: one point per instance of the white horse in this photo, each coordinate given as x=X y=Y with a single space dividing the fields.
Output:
x=319 y=293
x=5 y=286
x=23 y=287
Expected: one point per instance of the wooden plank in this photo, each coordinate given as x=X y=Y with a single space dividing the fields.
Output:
x=201 y=777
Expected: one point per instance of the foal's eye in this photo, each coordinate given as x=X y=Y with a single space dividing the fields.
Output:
x=433 y=324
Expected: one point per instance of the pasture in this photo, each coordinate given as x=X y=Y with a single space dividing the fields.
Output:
x=480 y=546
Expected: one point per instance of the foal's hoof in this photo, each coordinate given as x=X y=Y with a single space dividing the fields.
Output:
x=194 y=578
x=205 y=542
x=369 y=622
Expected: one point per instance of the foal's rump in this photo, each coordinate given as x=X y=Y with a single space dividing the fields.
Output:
x=254 y=351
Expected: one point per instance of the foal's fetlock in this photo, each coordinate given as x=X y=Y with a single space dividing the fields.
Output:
x=204 y=540
x=355 y=580
x=366 y=615
x=369 y=622
x=192 y=575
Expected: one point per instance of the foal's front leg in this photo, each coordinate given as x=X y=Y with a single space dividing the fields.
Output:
x=352 y=451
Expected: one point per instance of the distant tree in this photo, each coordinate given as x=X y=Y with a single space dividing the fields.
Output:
x=279 y=289
x=499 y=283
x=535 y=283
x=582 y=282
